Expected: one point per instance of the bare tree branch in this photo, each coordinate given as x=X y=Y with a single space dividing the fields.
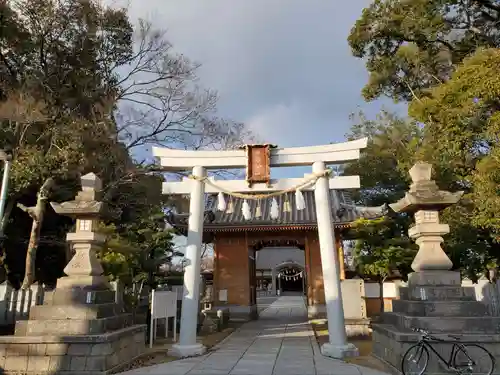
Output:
x=161 y=103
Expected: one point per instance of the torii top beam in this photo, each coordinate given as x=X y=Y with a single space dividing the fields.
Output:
x=179 y=160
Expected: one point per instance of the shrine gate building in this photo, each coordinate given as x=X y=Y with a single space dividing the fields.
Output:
x=238 y=243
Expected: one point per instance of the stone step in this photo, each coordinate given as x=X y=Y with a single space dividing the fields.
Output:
x=72 y=355
x=440 y=308
x=72 y=326
x=61 y=312
x=390 y=344
x=437 y=293
x=78 y=296
x=435 y=278
x=450 y=324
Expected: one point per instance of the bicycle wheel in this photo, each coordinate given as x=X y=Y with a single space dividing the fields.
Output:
x=473 y=359
x=415 y=360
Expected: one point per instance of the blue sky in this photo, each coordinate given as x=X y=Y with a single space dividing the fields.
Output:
x=283 y=66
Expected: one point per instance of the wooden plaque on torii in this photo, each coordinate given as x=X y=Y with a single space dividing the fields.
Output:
x=258 y=164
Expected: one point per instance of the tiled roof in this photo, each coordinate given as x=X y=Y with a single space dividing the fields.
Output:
x=343 y=213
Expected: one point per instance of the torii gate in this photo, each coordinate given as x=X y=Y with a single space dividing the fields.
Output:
x=258 y=160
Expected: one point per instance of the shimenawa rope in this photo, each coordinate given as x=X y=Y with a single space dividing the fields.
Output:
x=307 y=181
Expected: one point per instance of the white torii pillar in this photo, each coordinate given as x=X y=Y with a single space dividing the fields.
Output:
x=337 y=346
x=192 y=271
x=199 y=161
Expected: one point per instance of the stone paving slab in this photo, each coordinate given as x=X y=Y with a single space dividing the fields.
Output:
x=281 y=342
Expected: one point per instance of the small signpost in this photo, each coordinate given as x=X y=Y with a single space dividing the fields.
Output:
x=163 y=306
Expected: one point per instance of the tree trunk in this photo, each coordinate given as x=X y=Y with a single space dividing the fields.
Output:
x=381 y=295
x=29 y=275
x=36 y=214
x=3 y=255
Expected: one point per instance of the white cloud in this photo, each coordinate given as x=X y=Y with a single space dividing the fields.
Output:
x=283 y=65
x=282 y=121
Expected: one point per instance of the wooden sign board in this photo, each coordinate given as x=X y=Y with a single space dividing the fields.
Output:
x=163 y=305
x=223 y=295
x=258 y=164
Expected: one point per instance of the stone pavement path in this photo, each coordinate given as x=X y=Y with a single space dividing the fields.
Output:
x=281 y=342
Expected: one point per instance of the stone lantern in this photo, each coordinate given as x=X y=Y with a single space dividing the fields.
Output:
x=84 y=269
x=425 y=200
x=80 y=328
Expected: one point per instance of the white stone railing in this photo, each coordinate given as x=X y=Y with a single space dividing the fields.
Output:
x=16 y=304
x=488 y=293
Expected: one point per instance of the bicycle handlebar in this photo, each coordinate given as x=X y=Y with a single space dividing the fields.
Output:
x=426 y=334
x=420 y=330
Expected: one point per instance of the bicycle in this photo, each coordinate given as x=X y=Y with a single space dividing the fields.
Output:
x=460 y=359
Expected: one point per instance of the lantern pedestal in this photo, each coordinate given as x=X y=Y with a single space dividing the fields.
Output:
x=84 y=271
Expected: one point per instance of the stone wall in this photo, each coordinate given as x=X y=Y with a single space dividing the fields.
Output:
x=390 y=346
x=85 y=354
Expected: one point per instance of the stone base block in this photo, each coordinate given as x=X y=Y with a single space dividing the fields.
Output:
x=390 y=345
x=68 y=297
x=440 y=308
x=339 y=351
x=58 y=312
x=73 y=326
x=210 y=323
x=437 y=293
x=354 y=328
x=316 y=312
x=224 y=316
x=357 y=328
x=239 y=313
x=449 y=324
x=441 y=278
x=183 y=351
x=220 y=316
x=71 y=282
x=71 y=355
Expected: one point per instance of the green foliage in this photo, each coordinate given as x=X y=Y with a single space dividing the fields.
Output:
x=137 y=240
x=384 y=164
x=134 y=250
x=64 y=51
x=394 y=145
x=486 y=180
x=411 y=45
x=442 y=57
x=382 y=245
x=381 y=249
x=463 y=122
x=80 y=88
x=462 y=136
x=58 y=97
